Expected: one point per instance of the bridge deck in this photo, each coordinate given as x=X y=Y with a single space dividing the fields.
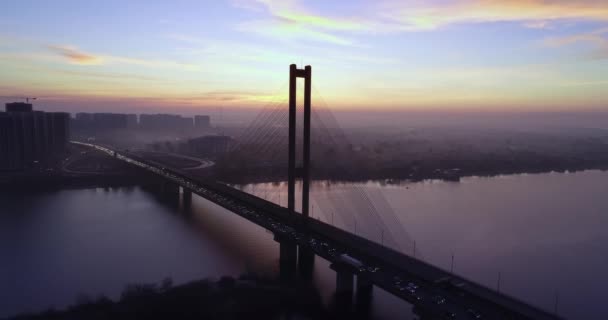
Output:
x=394 y=268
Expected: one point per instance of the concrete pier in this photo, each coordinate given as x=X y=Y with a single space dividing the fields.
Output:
x=169 y=188
x=344 y=288
x=363 y=296
x=186 y=198
x=344 y=283
x=288 y=258
x=364 y=284
x=306 y=262
x=345 y=279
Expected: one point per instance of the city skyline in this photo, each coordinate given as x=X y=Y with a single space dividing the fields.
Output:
x=441 y=55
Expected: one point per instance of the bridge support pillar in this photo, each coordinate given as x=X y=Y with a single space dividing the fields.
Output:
x=363 y=296
x=288 y=256
x=169 y=188
x=186 y=198
x=364 y=284
x=344 y=283
x=169 y=191
x=306 y=262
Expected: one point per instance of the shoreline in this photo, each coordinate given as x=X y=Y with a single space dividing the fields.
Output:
x=63 y=182
x=246 y=296
x=450 y=176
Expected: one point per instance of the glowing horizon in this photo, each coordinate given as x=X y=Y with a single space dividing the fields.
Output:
x=485 y=55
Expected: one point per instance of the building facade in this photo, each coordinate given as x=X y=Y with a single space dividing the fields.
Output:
x=165 y=122
x=30 y=137
x=209 y=146
x=202 y=122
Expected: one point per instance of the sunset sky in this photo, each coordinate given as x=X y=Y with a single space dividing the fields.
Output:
x=444 y=54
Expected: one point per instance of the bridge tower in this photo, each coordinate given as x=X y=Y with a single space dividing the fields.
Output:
x=305 y=257
x=304 y=171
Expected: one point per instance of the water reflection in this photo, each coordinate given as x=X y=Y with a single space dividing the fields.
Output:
x=61 y=244
x=544 y=234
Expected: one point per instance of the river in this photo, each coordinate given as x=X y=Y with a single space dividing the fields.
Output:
x=541 y=238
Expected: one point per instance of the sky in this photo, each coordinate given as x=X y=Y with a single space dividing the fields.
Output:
x=491 y=55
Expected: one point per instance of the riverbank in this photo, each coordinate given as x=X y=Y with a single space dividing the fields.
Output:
x=246 y=297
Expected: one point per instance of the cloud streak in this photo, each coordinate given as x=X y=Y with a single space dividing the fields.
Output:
x=597 y=38
x=75 y=56
x=288 y=19
x=429 y=16
x=390 y=16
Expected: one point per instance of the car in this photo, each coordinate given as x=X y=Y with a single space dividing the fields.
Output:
x=410 y=290
x=373 y=269
x=352 y=261
x=473 y=314
x=412 y=285
x=438 y=300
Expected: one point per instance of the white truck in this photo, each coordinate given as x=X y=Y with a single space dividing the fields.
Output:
x=358 y=265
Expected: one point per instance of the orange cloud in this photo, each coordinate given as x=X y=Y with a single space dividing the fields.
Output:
x=73 y=55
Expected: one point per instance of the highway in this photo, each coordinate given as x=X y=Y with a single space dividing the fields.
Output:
x=437 y=292
x=200 y=163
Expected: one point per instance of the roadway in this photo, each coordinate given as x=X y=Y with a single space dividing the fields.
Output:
x=438 y=293
x=161 y=157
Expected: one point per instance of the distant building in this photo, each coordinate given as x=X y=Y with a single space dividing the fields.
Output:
x=81 y=116
x=132 y=121
x=165 y=122
x=96 y=123
x=18 y=107
x=202 y=122
x=209 y=146
x=28 y=137
x=110 y=121
x=60 y=131
x=82 y=122
x=9 y=152
x=92 y=124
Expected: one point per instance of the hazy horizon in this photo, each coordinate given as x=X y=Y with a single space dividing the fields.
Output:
x=231 y=116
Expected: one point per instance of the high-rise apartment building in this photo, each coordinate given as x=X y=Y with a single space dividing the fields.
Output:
x=28 y=137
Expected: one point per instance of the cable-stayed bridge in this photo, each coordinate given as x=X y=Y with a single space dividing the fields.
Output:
x=278 y=147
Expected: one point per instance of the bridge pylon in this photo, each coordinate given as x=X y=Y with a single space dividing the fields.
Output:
x=304 y=171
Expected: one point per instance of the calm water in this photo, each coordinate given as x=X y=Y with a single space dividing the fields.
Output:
x=545 y=234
